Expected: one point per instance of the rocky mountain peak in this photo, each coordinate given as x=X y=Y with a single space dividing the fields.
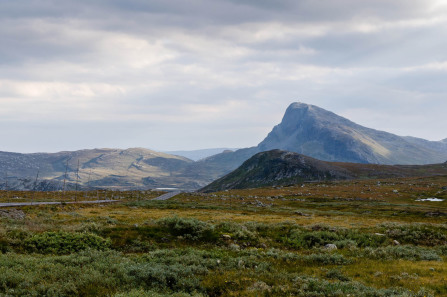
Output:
x=316 y=132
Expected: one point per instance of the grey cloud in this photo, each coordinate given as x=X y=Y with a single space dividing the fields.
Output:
x=177 y=73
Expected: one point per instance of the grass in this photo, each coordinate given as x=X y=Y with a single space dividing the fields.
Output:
x=254 y=242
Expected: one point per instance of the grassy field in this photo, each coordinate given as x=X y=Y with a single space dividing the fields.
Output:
x=354 y=238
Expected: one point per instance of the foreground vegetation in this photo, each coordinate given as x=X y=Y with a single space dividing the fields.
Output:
x=357 y=238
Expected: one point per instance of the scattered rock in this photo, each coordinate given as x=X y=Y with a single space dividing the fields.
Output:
x=431 y=269
x=395 y=242
x=330 y=246
x=435 y=214
x=260 y=286
x=234 y=247
x=226 y=236
x=302 y=214
x=379 y=234
x=395 y=191
x=16 y=214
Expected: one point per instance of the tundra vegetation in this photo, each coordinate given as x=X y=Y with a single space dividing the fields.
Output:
x=349 y=238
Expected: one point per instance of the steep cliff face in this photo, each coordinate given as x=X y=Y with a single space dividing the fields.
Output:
x=313 y=131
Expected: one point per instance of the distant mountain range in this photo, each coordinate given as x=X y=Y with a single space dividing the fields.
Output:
x=305 y=129
x=197 y=155
x=279 y=168
x=134 y=168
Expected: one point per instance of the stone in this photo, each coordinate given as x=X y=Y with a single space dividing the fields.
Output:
x=226 y=236
x=330 y=246
x=395 y=242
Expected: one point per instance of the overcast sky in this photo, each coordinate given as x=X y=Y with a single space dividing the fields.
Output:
x=189 y=74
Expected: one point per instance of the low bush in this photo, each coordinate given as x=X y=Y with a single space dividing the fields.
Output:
x=188 y=228
x=420 y=234
x=64 y=242
x=326 y=259
x=407 y=252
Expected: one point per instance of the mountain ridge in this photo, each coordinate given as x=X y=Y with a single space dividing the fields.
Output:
x=283 y=168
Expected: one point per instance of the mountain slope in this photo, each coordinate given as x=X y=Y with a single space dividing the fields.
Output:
x=112 y=168
x=274 y=168
x=321 y=134
x=277 y=167
x=196 y=155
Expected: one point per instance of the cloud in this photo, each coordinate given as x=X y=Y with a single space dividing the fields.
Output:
x=196 y=74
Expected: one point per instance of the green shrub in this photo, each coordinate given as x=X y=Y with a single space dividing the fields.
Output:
x=188 y=228
x=237 y=231
x=65 y=242
x=337 y=274
x=407 y=252
x=421 y=234
x=300 y=239
x=326 y=259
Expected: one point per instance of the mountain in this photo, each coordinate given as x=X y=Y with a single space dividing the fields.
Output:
x=134 y=168
x=196 y=155
x=277 y=167
x=321 y=134
x=304 y=129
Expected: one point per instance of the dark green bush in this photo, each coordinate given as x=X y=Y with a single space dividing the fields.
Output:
x=337 y=274
x=421 y=234
x=326 y=259
x=188 y=228
x=300 y=239
x=65 y=242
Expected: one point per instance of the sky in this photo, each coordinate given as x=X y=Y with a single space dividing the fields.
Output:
x=184 y=75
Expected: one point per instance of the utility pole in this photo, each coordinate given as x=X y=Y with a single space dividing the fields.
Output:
x=77 y=181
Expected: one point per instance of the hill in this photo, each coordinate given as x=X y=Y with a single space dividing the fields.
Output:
x=277 y=167
x=111 y=168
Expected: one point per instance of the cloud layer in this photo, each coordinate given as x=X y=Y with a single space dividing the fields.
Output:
x=194 y=74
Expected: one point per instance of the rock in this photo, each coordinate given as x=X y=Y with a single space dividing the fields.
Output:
x=260 y=286
x=226 y=236
x=395 y=242
x=330 y=246
x=235 y=247
x=379 y=234
x=431 y=269
x=395 y=191
x=302 y=214
x=12 y=214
